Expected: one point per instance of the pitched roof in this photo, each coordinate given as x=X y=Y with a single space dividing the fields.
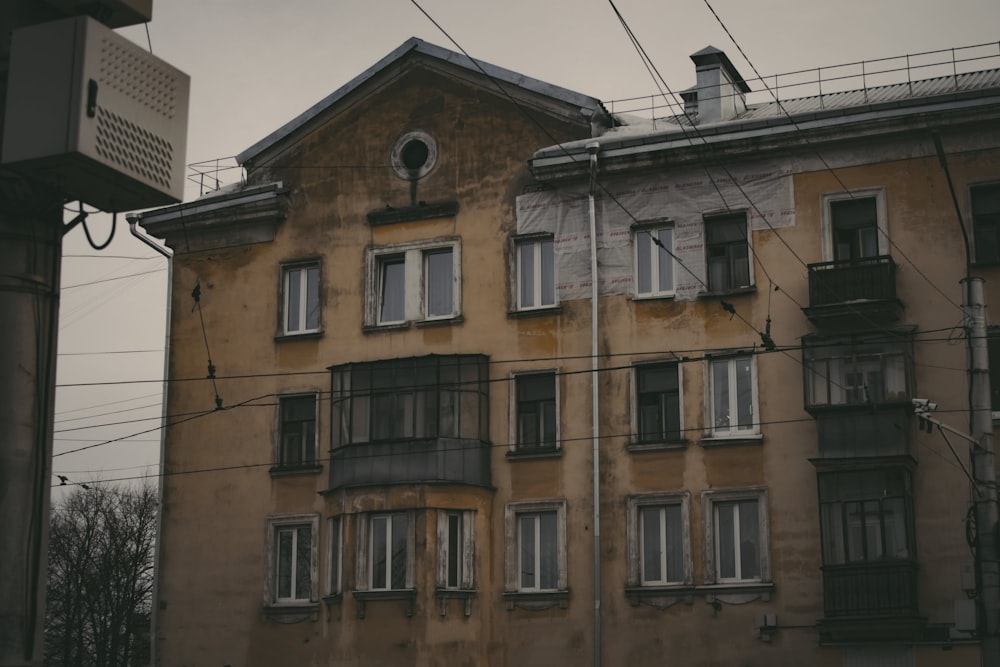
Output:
x=589 y=106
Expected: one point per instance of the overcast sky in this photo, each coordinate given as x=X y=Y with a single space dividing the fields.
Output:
x=256 y=64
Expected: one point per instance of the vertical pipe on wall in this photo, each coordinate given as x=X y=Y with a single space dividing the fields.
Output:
x=133 y=221
x=592 y=149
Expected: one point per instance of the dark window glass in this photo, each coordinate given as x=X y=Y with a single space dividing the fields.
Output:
x=728 y=253
x=658 y=402
x=986 y=222
x=298 y=429
x=855 y=228
x=536 y=411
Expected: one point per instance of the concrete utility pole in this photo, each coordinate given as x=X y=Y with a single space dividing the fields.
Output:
x=30 y=252
x=984 y=471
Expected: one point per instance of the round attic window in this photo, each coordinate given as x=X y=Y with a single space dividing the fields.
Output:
x=414 y=155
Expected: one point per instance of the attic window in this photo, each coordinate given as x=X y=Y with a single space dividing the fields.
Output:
x=414 y=155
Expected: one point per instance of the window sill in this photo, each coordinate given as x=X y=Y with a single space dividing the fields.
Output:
x=445 y=594
x=665 y=446
x=439 y=322
x=407 y=595
x=306 y=335
x=536 y=601
x=295 y=470
x=736 y=592
x=730 y=440
x=663 y=597
x=332 y=599
x=660 y=597
x=722 y=293
x=530 y=454
x=376 y=328
x=655 y=297
x=534 y=312
x=291 y=612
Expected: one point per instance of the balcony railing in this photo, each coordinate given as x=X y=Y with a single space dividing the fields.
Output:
x=870 y=589
x=431 y=460
x=844 y=281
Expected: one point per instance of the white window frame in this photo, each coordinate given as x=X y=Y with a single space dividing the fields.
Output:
x=515 y=431
x=656 y=256
x=536 y=241
x=300 y=327
x=335 y=555
x=364 y=572
x=413 y=256
x=280 y=431
x=730 y=432
x=710 y=499
x=275 y=524
x=512 y=546
x=465 y=562
x=826 y=218
x=634 y=537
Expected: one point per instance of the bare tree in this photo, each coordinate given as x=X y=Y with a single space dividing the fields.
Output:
x=100 y=577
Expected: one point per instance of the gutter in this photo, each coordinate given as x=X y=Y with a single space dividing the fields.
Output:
x=133 y=221
x=592 y=149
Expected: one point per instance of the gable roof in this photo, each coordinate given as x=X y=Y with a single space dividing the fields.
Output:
x=590 y=107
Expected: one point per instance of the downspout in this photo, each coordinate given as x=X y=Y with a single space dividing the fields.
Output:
x=592 y=148
x=133 y=221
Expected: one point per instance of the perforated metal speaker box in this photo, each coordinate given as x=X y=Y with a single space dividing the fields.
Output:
x=96 y=116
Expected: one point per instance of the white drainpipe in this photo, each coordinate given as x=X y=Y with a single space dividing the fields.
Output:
x=592 y=149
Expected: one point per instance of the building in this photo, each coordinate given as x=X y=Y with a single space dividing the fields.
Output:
x=420 y=397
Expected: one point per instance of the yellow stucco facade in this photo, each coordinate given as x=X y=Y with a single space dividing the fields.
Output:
x=487 y=523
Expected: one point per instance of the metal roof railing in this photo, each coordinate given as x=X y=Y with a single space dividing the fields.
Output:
x=860 y=77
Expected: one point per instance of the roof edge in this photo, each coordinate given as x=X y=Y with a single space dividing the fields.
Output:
x=589 y=106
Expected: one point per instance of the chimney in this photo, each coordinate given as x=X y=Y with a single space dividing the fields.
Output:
x=720 y=91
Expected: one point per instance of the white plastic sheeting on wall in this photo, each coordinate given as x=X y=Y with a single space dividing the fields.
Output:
x=763 y=191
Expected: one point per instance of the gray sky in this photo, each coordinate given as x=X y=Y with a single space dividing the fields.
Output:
x=256 y=64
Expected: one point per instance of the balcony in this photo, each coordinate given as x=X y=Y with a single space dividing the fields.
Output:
x=869 y=601
x=431 y=460
x=849 y=294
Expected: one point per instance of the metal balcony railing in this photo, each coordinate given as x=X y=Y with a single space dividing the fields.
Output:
x=846 y=281
x=886 y=588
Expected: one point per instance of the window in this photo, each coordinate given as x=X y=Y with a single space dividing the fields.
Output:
x=866 y=516
x=536 y=546
x=392 y=289
x=993 y=349
x=334 y=555
x=654 y=267
x=387 y=554
x=986 y=222
x=727 y=243
x=413 y=282
x=455 y=550
x=736 y=536
x=658 y=535
x=439 y=283
x=437 y=396
x=536 y=273
x=855 y=228
x=536 y=415
x=658 y=403
x=857 y=370
x=733 y=391
x=300 y=290
x=298 y=430
x=292 y=558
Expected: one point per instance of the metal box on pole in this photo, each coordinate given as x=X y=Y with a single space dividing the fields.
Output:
x=95 y=115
